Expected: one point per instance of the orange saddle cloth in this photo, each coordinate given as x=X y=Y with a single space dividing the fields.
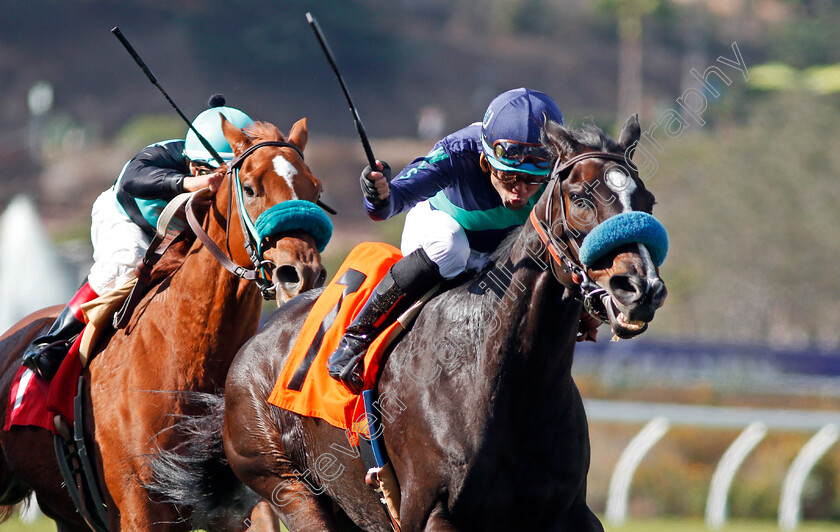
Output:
x=304 y=386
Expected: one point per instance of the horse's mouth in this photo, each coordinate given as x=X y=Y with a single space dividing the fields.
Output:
x=622 y=326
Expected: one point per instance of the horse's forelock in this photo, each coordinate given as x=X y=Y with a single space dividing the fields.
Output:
x=567 y=140
x=594 y=137
x=260 y=131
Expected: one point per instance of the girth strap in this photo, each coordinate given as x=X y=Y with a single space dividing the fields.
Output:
x=77 y=470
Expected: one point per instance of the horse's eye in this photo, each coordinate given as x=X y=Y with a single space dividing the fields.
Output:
x=248 y=191
x=574 y=197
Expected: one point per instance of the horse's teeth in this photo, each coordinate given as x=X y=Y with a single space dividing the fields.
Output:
x=634 y=324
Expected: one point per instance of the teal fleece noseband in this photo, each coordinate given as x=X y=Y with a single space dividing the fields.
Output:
x=625 y=228
x=295 y=215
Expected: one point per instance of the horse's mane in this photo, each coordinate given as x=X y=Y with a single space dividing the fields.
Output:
x=506 y=247
x=587 y=136
x=264 y=131
x=172 y=259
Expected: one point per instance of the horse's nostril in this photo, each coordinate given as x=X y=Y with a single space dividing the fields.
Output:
x=627 y=289
x=287 y=275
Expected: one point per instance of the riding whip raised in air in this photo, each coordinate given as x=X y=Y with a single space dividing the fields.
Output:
x=133 y=53
x=204 y=142
x=331 y=59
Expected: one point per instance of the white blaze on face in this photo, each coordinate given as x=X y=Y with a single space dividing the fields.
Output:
x=652 y=276
x=622 y=185
x=287 y=171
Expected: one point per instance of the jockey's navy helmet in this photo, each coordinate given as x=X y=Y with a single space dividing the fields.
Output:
x=512 y=128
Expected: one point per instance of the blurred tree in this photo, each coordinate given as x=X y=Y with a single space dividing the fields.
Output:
x=808 y=40
x=629 y=14
x=145 y=129
x=275 y=37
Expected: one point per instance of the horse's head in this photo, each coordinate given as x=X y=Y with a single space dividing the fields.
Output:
x=269 y=180
x=597 y=215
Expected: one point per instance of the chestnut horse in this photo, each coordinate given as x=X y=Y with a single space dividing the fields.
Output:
x=183 y=337
x=483 y=422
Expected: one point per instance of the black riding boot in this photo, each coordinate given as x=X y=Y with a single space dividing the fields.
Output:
x=45 y=354
x=405 y=282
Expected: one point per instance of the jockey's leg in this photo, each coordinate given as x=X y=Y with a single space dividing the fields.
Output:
x=404 y=283
x=435 y=248
x=46 y=353
x=118 y=245
x=118 y=248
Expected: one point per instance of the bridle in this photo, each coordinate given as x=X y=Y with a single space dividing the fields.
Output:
x=253 y=245
x=589 y=290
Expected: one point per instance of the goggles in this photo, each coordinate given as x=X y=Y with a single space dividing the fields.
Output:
x=511 y=178
x=513 y=153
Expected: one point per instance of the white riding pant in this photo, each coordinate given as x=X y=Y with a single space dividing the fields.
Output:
x=119 y=245
x=442 y=238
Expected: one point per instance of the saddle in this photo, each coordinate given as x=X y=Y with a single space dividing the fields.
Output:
x=304 y=385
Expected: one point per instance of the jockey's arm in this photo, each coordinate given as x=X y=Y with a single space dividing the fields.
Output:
x=157 y=172
x=212 y=181
x=418 y=181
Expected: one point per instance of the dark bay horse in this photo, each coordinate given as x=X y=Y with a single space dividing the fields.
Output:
x=182 y=337
x=483 y=423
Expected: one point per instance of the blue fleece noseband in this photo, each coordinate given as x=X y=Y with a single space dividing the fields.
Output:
x=295 y=215
x=625 y=228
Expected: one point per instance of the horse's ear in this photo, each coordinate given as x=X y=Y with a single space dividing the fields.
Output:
x=560 y=138
x=236 y=137
x=630 y=133
x=299 y=134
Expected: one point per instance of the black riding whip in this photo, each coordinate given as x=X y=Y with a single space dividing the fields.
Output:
x=133 y=53
x=331 y=59
x=204 y=142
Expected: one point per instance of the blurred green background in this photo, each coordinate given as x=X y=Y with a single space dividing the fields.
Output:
x=750 y=197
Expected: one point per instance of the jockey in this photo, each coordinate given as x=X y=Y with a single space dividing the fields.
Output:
x=465 y=196
x=124 y=218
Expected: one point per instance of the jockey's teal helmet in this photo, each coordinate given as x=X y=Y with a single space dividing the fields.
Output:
x=209 y=124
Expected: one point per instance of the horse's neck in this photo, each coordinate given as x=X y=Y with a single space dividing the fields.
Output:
x=537 y=320
x=218 y=310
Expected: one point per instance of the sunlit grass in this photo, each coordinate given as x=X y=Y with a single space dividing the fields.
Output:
x=42 y=524
x=697 y=525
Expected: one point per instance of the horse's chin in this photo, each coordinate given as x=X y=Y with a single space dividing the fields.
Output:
x=622 y=327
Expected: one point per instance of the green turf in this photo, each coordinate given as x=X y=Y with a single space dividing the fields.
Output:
x=41 y=525
x=685 y=525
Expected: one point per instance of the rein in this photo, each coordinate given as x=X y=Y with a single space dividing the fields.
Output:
x=253 y=238
x=559 y=252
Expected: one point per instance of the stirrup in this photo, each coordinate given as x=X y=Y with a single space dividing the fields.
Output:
x=38 y=360
x=351 y=375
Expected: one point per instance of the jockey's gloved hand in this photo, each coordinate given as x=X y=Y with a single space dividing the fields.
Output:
x=375 y=183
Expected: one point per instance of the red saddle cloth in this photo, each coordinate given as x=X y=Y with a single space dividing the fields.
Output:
x=35 y=402
x=304 y=385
